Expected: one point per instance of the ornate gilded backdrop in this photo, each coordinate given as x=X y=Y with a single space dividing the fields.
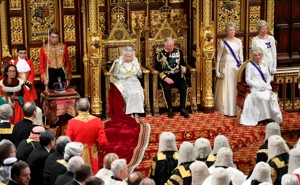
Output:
x=28 y=22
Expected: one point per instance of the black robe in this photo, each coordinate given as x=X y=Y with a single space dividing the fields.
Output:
x=181 y=175
x=279 y=167
x=25 y=147
x=64 y=178
x=6 y=130
x=21 y=131
x=49 y=164
x=162 y=166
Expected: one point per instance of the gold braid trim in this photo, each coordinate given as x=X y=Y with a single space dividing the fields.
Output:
x=176 y=178
x=263 y=151
x=161 y=156
x=153 y=167
x=273 y=174
x=183 y=172
x=211 y=158
x=63 y=162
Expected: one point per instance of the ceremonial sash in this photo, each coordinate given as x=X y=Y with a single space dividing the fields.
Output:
x=233 y=54
x=260 y=72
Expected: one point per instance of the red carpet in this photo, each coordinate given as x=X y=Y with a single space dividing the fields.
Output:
x=125 y=137
x=243 y=140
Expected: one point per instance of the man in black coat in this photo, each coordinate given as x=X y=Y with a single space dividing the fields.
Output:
x=23 y=128
x=26 y=146
x=58 y=154
x=73 y=164
x=81 y=175
x=38 y=156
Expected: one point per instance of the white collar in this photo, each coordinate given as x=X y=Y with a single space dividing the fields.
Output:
x=22 y=65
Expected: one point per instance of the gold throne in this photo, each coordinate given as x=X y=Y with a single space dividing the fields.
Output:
x=154 y=44
x=112 y=46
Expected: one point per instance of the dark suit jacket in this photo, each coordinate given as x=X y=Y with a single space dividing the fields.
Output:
x=49 y=164
x=36 y=161
x=58 y=168
x=64 y=178
x=25 y=147
x=12 y=183
x=21 y=131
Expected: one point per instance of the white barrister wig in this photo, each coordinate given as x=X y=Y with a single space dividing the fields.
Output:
x=262 y=172
x=288 y=179
x=220 y=177
x=203 y=147
x=294 y=160
x=219 y=142
x=187 y=153
x=224 y=158
x=73 y=149
x=199 y=172
x=167 y=142
x=272 y=129
x=38 y=120
x=276 y=146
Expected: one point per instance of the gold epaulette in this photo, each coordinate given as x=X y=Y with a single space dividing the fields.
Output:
x=63 y=162
x=175 y=155
x=7 y=130
x=162 y=75
x=183 y=172
x=211 y=158
x=279 y=163
x=161 y=156
x=273 y=175
x=176 y=178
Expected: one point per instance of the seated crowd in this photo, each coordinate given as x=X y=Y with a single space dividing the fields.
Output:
x=33 y=156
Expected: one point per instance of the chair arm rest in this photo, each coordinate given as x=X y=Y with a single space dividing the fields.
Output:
x=105 y=71
x=190 y=68
x=152 y=70
x=243 y=88
x=145 y=70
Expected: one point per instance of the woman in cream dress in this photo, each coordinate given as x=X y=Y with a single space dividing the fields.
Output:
x=261 y=103
x=226 y=71
x=125 y=72
x=267 y=44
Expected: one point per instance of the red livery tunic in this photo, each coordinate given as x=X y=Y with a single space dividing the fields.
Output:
x=88 y=130
x=27 y=74
x=56 y=56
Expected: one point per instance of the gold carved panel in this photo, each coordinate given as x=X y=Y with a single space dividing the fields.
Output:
x=15 y=5
x=72 y=54
x=14 y=53
x=69 y=28
x=68 y=4
x=229 y=11
x=34 y=56
x=117 y=12
x=137 y=18
x=101 y=2
x=41 y=16
x=176 y=1
x=102 y=21
x=16 y=29
x=254 y=17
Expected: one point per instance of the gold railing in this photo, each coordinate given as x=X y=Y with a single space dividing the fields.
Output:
x=288 y=95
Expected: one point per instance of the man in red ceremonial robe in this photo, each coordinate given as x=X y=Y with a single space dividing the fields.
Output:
x=54 y=61
x=26 y=72
x=88 y=130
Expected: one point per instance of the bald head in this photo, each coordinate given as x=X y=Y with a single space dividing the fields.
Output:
x=29 y=109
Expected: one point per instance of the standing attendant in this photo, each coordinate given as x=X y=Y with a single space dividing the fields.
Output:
x=229 y=58
x=268 y=45
x=88 y=130
x=26 y=72
x=54 y=61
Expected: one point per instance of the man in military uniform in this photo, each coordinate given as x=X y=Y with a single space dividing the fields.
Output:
x=54 y=61
x=171 y=67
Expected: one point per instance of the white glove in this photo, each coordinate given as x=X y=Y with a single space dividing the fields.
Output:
x=218 y=74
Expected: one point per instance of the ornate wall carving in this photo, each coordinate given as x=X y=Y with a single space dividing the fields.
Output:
x=102 y=21
x=229 y=11
x=137 y=19
x=72 y=54
x=68 y=4
x=34 y=56
x=69 y=28
x=16 y=25
x=15 y=5
x=42 y=16
x=254 y=17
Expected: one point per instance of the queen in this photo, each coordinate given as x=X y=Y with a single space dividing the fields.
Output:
x=125 y=72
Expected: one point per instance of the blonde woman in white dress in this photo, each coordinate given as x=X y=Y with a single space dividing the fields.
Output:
x=229 y=58
x=125 y=72
x=268 y=45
